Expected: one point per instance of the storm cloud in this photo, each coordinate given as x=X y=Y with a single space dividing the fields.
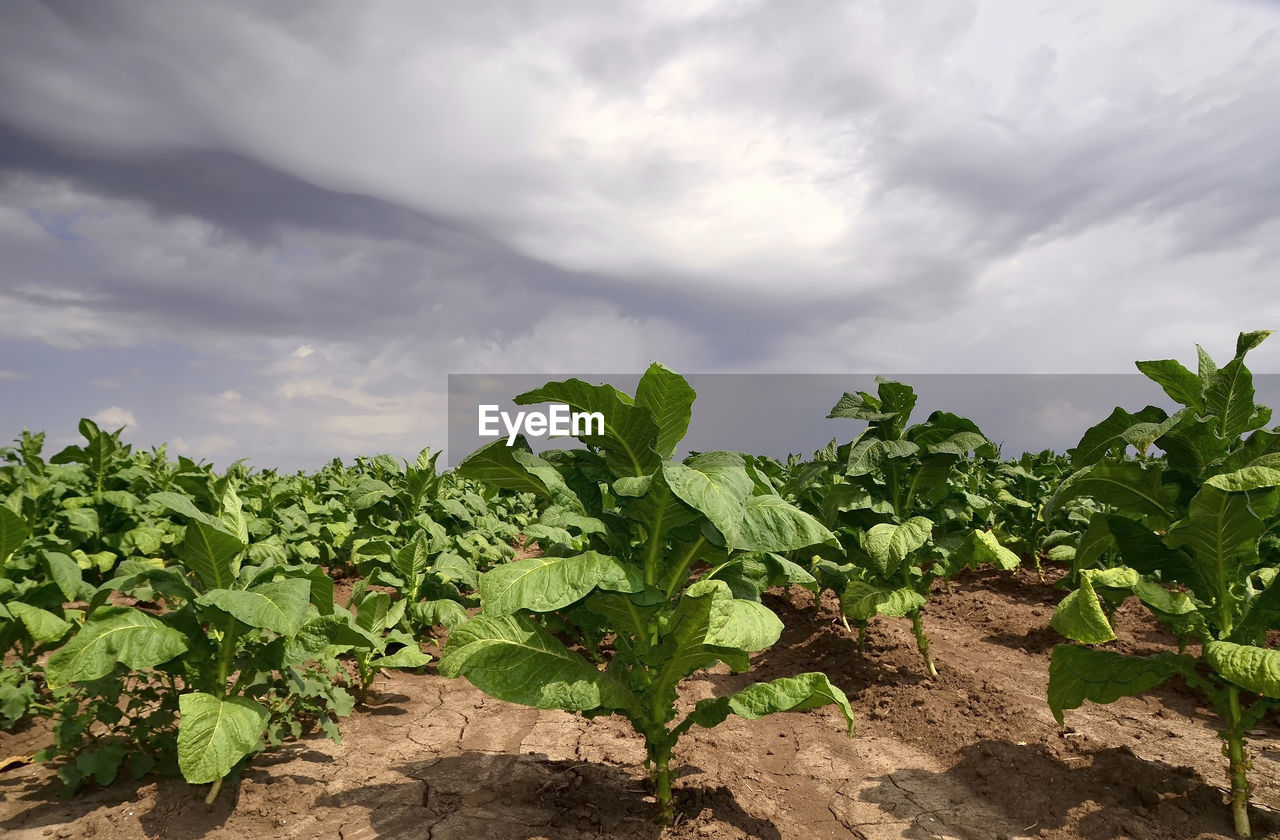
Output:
x=271 y=230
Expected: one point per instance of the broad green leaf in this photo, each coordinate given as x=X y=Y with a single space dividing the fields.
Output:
x=889 y=545
x=279 y=606
x=669 y=399
x=368 y=492
x=409 y=656
x=232 y=515
x=1218 y=529
x=1206 y=369
x=412 y=561
x=65 y=572
x=787 y=694
x=214 y=734
x=1191 y=446
x=771 y=524
x=371 y=612
x=1247 y=341
x=144 y=539
x=322 y=631
x=42 y=625
x=845 y=497
x=1117 y=577
x=1079 y=673
x=737 y=623
x=628 y=614
x=212 y=553
x=13 y=533
x=930 y=476
x=981 y=547
x=1080 y=617
x=958 y=443
x=1247 y=478
x=869 y=454
x=122 y=499
x=544 y=584
x=515 y=659
x=1252 y=668
x=863 y=601
x=1262 y=614
x=1129 y=485
x=113 y=635
x=1108 y=435
x=715 y=484
x=448 y=614
x=710 y=625
x=183 y=506
x=1229 y=400
x=498 y=464
x=859 y=406
x=630 y=433
x=560 y=492
x=1183 y=386
x=84 y=520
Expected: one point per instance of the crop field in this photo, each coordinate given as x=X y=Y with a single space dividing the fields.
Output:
x=907 y=634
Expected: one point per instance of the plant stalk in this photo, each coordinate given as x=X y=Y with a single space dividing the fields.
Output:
x=922 y=641
x=1239 y=762
x=226 y=653
x=213 y=792
x=660 y=773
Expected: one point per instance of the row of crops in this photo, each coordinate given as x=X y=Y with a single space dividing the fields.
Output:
x=165 y=618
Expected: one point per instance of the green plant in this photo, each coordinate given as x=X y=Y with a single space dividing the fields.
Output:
x=621 y=607
x=901 y=516
x=207 y=658
x=1190 y=531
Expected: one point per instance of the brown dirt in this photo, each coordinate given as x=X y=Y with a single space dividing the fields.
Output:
x=973 y=754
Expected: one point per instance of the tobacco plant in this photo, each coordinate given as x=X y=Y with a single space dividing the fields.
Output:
x=1191 y=532
x=901 y=515
x=224 y=655
x=622 y=607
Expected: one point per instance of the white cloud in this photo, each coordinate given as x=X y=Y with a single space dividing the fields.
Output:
x=115 y=417
x=203 y=447
x=13 y=376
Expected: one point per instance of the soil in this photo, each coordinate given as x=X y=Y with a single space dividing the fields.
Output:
x=973 y=754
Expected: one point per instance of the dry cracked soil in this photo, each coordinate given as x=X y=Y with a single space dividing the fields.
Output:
x=972 y=754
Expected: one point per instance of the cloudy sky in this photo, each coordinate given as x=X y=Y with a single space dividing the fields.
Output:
x=271 y=229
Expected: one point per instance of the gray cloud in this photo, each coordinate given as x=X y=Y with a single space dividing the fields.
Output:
x=773 y=186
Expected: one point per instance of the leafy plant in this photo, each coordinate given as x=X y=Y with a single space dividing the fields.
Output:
x=900 y=515
x=208 y=657
x=33 y=619
x=1190 y=531
x=622 y=606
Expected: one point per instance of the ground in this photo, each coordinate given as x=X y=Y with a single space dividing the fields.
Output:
x=973 y=754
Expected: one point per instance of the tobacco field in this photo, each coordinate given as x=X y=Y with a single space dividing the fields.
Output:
x=907 y=634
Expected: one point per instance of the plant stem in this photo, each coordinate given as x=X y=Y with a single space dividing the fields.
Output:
x=213 y=792
x=922 y=640
x=226 y=653
x=660 y=773
x=1239 y=762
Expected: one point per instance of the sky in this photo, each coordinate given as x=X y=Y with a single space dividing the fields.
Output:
x=271 y=230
